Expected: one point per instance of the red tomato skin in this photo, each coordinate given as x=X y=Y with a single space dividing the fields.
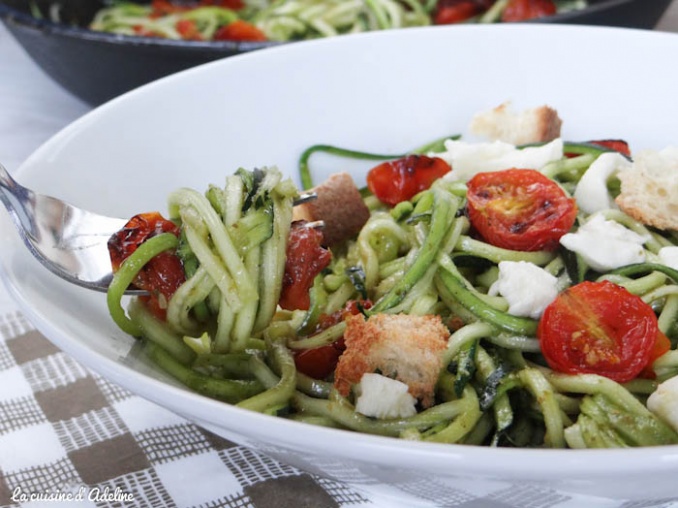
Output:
x=598 y=328
x=448 y=12
x=162 y=276
x=164 y=273
x=619 y=145
x=318 y=362
x=519 y=209
x=239 y=30
x=401 y=179
x=136 y=231
x=522 y=10
x=306 y=258
x=457 y=11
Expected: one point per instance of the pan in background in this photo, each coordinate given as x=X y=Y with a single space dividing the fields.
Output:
x=98 y=66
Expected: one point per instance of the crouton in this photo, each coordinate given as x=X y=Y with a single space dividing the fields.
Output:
x=406 y=348
x=339 y=205
x=649 y=189
x=529 y=126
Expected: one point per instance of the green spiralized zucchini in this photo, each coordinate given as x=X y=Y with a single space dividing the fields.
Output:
x=226 y=338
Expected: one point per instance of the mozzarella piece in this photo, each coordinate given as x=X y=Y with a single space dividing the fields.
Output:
x=669 y=257
x=605 y=244
x=663 y=402
x=528 y=289
x=591 y=192
x=383 y=397
x=468 y=159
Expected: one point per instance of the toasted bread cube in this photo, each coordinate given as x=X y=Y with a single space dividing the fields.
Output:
x=534 y=125
x=339 y=205
x=400 y=346
x=649 y=189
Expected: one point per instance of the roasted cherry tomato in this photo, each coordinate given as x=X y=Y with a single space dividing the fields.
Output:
x=598 y=328
x=319 y=362
x=522 y=10
x=519 y=209
x=448 y=12
x=399 y=180
x=163 y=274
x=239 y=30
x=306 y=258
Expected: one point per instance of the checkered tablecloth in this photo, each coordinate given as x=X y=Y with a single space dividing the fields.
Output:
x=69 y=437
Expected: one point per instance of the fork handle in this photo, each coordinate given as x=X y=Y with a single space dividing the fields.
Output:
x=15 y=197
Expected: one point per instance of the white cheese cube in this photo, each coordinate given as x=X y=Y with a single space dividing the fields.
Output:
x=468 y=159
x=605 y=244
x=383 y=397
x=663 y=402
x=591 y=192
x=528 y=289
x=669 y=257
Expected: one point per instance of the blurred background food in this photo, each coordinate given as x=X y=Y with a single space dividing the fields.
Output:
x=99 y=49
x=288 y=20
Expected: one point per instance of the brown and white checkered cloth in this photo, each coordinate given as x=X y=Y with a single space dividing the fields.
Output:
x=69 y=437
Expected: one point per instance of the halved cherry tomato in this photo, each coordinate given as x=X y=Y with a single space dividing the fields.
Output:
x=598 y=328
x=519 y=209
x=163 y=274
x=522 y=10
x=239 y=30
x=448 y=12
x=306 y=258
x=400 y=180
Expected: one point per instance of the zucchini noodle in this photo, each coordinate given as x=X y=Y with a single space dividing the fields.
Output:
x=225 y=336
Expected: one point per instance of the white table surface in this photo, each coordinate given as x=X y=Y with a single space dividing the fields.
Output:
x=33 y=108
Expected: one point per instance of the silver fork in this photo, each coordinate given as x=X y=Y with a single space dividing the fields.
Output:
x=69 y=241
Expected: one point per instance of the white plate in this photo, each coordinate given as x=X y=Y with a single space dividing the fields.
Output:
x=383 y=92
